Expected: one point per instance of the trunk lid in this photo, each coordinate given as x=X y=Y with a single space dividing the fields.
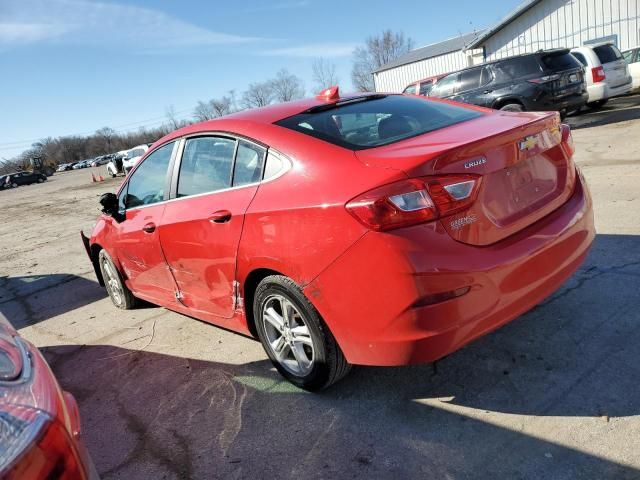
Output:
x=523 y=172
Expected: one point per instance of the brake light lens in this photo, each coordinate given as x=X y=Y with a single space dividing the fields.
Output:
x=567 y=140
x=410 y=202
x=545 y=79
x=598 y=74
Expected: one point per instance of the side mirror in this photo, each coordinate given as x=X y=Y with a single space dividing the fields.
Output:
x=109 y=202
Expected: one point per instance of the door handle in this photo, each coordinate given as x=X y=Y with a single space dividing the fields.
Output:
x=149 y=227
x=221 y=216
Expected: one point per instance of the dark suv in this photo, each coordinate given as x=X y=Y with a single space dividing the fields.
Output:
x=22 y=178
x=545 y=80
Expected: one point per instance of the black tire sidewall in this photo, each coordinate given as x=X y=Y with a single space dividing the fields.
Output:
x=512 y=107
x=280 y=286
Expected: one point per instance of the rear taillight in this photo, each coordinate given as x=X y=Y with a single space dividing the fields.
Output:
x=414 y=201
x=567 y=140
x=36 y=447
x=545 y=79
x=598 y=74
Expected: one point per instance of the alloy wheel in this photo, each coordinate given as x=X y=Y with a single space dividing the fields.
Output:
x=113 y=282
x=288 y=335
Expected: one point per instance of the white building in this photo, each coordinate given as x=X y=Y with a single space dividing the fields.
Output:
x=534 y=25
x=435 y=59
x=544 y=24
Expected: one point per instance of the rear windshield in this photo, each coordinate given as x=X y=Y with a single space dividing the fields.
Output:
x=607 y=53
x=562 y=61
x=377 y=120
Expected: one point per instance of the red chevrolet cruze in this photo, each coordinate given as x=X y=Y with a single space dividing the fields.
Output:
x=369 y=229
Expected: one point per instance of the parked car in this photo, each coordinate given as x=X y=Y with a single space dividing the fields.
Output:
x=133 y=156
x=607 y=73
x=371 y=229
x=115 y=165
x=424 y=86
x=632 y=57
x=541 y=81
x=24 y=178
x=82 y=164
x=40 y=423
x=62 y=167
x=102 y=160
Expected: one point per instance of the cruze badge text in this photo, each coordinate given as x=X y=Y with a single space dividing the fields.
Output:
x=475 y=163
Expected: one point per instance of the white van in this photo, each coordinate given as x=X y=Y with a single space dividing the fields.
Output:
x=606 y=72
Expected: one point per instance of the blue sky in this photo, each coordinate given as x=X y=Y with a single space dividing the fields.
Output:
x=73 y=66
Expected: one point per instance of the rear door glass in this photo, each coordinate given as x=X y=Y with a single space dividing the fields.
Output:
x=581 y=58
x=607 y=53
x=469 y=79
x=206 y=165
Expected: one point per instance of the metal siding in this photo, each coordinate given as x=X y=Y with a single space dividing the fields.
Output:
x=396 y=79
x=567 y=23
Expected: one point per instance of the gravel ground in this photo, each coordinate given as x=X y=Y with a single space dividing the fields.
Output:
x=554 y=394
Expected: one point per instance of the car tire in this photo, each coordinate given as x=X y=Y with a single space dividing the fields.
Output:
x=598 y=104
x=119 y=293
x=14 y=185
x=40 y=180
x=299 y=344
x=512 y=107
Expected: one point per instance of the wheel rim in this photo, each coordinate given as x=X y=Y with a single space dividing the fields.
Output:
x=288 y=335
x=113 y=282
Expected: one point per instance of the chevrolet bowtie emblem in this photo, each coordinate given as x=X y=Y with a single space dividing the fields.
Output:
x=528 y=143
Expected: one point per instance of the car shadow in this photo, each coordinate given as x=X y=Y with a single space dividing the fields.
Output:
x=30 y=299
x=617 y=110
x=547 y=396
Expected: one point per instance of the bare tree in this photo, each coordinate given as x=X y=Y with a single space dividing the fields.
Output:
x=172 y=117
x=378 y=50
x=259 y=94
x=106 y=134
x=324 y=74
x=203 y=111
x=286 y=86
x=221 y=106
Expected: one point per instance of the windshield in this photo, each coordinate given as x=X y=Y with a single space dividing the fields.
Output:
x=374 y=121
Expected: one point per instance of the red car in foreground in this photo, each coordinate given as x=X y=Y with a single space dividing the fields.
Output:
x=39 y=422
x=370 y=229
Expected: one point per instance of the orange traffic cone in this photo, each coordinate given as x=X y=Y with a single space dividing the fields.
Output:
x=100 y=178
x=93 y=178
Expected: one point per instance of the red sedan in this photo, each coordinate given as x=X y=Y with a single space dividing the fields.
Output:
x=39 y=422
x=369 y=229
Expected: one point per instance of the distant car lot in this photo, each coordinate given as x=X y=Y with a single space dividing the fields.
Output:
x=557 y=388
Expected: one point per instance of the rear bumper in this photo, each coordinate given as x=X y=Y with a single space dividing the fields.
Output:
x=383 y=298
x=568 y=102
x=602 y=91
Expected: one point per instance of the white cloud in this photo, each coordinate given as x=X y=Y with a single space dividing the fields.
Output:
x=12 y=33
x=311 y=50
x=108 y=25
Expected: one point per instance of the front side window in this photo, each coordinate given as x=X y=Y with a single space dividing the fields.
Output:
x=249 y=163
x=206 y=165
x=147 y=183
x=376 y=120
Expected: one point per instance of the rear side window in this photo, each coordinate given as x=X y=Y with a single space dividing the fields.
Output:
x=516 y=67
x=376 y=120
x=249 y=163
x=206 y=165
x=562 y=61
x=147 y=182
x=607 y=53
x=581 y=58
